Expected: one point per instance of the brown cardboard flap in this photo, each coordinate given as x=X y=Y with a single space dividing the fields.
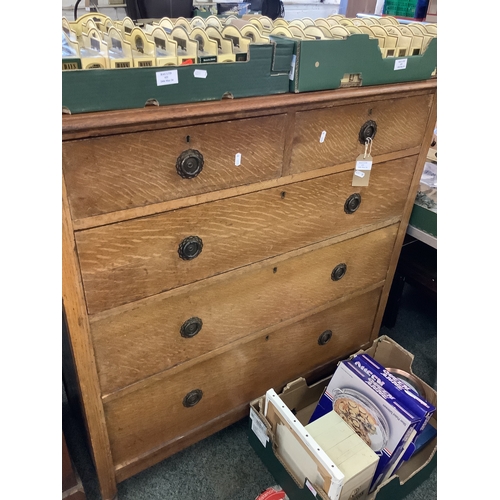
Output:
x=271 y=424
x=282 y=451
x=302 y=400
x=389 y=353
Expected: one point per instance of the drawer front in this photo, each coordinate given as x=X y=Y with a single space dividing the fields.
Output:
x=156 y=334
x=400 y=125
x=135 y=259
x=132 y=170
x=154 y=415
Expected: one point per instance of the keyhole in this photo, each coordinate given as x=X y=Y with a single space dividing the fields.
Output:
x=187 y=138
x=283 y=194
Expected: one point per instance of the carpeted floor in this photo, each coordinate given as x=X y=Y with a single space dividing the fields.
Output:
x=224 y=466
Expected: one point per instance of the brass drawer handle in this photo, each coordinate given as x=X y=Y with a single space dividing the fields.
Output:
x=339 y=272
x=352 y=203
x=192 y=398
x=325 y=337
x=191 y=327
x=368 y=131
x=190 y=247
x=189 y=163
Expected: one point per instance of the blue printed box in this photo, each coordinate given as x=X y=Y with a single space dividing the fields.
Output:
x=404 y=393
x=398 y=388
x=374 y=413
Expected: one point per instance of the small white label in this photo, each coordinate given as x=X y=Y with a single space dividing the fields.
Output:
x=359 y=173
x=322 y=137
x=291 y=75
x=167 y=77
x=259 y=428
x=363 y=165
x=200 y=73
x=310 y=486
x=400 y=64
x=237 y=159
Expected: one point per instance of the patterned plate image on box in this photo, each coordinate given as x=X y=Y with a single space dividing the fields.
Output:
x=363 y=417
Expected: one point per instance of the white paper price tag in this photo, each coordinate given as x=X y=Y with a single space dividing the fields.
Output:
x=237 y=159
x=311 y=488
x=363 y=165
x=200 y=73
x=362 y=170
x=400 y=64
x=291 y=75
x=322 y=137
x=167 y=78
x=259 y=428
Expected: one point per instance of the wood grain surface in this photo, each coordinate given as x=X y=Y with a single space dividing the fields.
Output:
x=139 y=421
x=73 y=303
x=400 y=125
x=199 y=199
x=414 y=186
x=273 y=229
x=145 y=339
x=99 y=124
x=124 y=262
x=124 y=171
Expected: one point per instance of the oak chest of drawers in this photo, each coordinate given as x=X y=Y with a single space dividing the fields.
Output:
x=215 y=250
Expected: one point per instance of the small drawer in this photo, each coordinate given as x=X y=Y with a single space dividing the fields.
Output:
x=178 y=403
x=139 y=258
x=125 y=171
x=332 y=136
x=158 y=333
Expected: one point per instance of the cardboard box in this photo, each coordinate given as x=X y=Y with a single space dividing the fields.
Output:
x=405 y=394
x=300 y=452
x=302 y=399
x=424 y=214
x=265 y=73
x=356 y=460
x=424 y=219
x=354 y=62
x=377 y=415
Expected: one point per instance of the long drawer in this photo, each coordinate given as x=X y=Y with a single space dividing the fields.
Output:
x=332 y=136
x=149 y=336
x=161 y=411
x=124 y=171
x=139 y=258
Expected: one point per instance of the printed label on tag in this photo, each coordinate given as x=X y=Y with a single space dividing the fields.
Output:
x=400 y=64
x=291 y=75
x=322 y=137
x=364 y=165
x=167 y=77
x=360 y=178
x=200 y=73
x=311 y=488
x=258 y=428
x=237 y=159
x=362 y=170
